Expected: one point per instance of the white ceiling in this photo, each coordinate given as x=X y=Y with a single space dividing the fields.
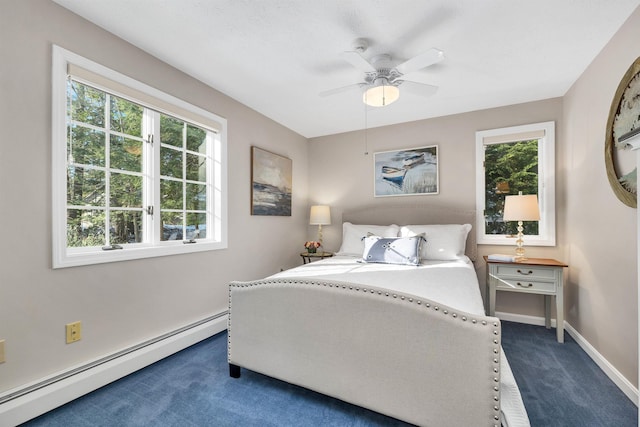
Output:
x=276 y=56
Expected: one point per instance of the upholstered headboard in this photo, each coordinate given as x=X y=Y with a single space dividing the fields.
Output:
x=413 y=214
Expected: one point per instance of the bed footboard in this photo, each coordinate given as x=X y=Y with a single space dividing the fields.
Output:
x=393 y=353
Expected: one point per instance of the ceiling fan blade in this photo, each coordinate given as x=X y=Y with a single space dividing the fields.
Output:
x=355 y=59
x=342 y=89
x=416 y=77
x=417 y=88
x=430 y=57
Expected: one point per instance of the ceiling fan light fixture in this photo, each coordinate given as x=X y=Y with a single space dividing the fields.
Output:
x=381 y=95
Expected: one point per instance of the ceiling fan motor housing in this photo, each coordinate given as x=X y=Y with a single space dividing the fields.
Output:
x=386 y=76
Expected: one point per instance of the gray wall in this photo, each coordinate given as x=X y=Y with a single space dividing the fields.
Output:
x=119 y=304
x=601 y=232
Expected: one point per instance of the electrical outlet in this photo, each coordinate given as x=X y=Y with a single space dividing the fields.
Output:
x=2 y=358
x=73 y=332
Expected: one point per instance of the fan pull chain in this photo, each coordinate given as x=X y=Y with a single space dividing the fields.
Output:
x=366 y=142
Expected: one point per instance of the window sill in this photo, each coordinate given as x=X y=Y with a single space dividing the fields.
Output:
x=74 y=258
x=502 y=240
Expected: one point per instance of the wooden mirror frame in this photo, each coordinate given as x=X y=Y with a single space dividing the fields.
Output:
x=625 y=196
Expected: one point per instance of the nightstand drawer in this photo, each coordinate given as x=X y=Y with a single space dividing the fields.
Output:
x=525 y=271
x=526 y=285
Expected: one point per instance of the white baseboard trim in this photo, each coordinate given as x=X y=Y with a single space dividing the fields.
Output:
x=40 y=399
x=521 y=318
x=623 y=384
x=614 y=375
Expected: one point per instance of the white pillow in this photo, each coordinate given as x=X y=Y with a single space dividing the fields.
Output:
x=353 y=236
x=392 y=250
x=444 y=242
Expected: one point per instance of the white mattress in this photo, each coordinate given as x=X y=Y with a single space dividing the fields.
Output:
x=451 y=283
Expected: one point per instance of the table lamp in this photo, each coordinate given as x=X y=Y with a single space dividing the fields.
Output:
x=521 y=208
x=320 y=215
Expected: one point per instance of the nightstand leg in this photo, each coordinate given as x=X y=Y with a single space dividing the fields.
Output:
x=560 y=316
x=492 y=296
x=486 y=292
x=547 y=311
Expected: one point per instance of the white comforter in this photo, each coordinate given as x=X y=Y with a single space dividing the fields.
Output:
x=451 y=283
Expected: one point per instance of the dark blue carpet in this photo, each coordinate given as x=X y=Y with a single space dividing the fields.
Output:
x=560 y=385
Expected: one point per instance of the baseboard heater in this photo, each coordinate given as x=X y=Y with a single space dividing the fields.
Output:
x=18 y=406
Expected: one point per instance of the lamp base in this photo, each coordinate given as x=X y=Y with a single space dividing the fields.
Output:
x=320 y=234
x=520 y=243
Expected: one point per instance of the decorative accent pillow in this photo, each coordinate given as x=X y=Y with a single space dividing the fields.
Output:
x=444 y=242
x=352 y=235
x=392 y=250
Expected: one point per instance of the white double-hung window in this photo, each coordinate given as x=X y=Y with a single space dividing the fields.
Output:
x=137 y=173
x=509 y=161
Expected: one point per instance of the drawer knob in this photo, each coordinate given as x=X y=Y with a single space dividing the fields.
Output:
x=528 y=285
x=526 y=274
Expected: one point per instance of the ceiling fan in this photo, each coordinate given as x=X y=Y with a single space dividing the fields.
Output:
x=381 y=79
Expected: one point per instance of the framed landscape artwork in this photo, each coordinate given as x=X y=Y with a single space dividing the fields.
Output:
x=271 y=177
x=407 y=172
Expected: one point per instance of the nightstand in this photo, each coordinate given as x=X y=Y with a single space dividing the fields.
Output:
x=308 y=257
x=540 y=276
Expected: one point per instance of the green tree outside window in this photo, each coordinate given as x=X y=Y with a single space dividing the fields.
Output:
x=509 y=168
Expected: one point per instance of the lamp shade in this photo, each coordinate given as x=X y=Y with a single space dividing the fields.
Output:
x=381 y=95
x=320 y=215
x=521 y=208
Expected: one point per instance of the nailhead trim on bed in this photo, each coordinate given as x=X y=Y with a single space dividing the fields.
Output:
x=496 y=332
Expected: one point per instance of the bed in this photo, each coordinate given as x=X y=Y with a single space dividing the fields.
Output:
x=406 y=339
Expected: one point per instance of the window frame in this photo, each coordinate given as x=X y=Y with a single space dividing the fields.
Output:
x=64 y=256
x=546 y=182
